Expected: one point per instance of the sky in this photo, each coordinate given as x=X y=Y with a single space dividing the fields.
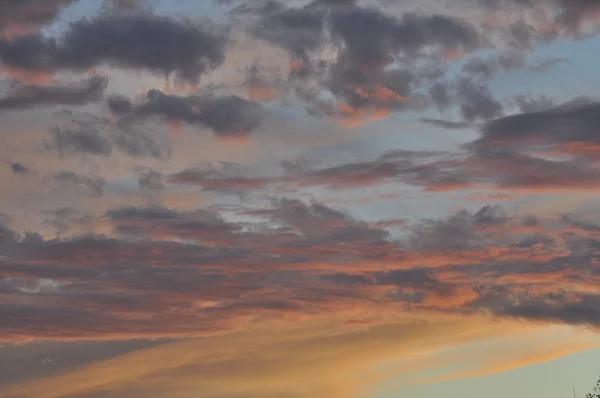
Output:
x=299 y=198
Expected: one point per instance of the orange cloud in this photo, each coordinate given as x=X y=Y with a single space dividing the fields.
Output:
x=355 y=117
x=454 y=54
x=27 y=77
x=381 y=94
x=296 y=65
x=175 y=129
x=259 y=91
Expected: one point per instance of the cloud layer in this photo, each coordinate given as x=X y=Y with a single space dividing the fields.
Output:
x=221 y=170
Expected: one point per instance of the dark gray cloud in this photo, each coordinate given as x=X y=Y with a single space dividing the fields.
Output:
x=530 y=103
x=459 y=231
x=201 y=225
x=150 y=180
x=63 y=218
x=144 y=214
x=477 y=101
x=368 y=41
x=227 y=116
x=576 y=121
x=139 y=140
x=561 y=306
x=85 y=138
x=18 y=168
x=335 y=3
x=506 y=170
x=573 y=12
x=319 y=223
x=447 y=124
x=135 y=41
x=489 y=67
x=84 y=134
x=414 y=277
x=81 y=93
x=87 y=185
x=372 y=38
x=440 y=95
x=297 y=30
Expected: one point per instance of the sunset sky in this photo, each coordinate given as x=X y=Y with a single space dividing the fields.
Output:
x=299 y=199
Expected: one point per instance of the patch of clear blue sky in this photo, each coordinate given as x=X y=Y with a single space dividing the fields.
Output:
x=578 y=76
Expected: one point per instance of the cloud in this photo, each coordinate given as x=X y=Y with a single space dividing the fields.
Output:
x=22 y=17
x=86 y=139
x=63 y=218
x=392 y=53
x=364 y=78
x=140 y=140
x=440 y=95
x=447 y=124
x=488 y=68
x=571 y=308
x=574 y=122
x=387 y=167
x=92 y=186
x=531 y=103
x=86 y=134
x=25 y=97
x=132 y=41
x=498 y=170
x=570 y=14
x=406 y=42
x=477 y=101
x=227 y=116
x=196 y=273
x=383 y=36
x=18 y=168
x=150 y=180
x=297 y=30
x=383 y=39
